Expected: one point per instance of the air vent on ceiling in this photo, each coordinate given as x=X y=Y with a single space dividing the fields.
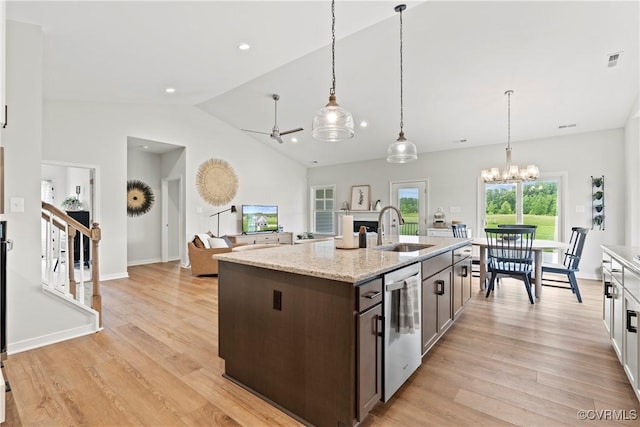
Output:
x=571 y=125
x=614 y=59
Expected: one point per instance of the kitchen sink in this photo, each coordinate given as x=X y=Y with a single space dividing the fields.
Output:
x=405 y=247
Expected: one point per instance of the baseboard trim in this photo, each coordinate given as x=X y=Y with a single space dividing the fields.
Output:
x=105 y=277
x=44 y=340
x=143 y=262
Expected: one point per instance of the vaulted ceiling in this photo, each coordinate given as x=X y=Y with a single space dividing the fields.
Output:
x=459 y=58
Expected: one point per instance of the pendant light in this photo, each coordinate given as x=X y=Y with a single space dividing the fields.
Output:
x=332 y=123
x=401 y=151
x=511 y=173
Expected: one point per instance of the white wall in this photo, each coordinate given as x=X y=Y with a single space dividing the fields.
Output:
x=632 y=160
x=144 y=231
x=97 y=134
x=453 y=180
x=34 y=317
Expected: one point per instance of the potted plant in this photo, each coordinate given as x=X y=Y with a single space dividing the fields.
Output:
x=70 y=203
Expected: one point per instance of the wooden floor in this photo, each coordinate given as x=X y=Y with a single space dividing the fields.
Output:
x=504 y=362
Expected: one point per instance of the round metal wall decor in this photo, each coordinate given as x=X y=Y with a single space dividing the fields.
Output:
x=216 y=182
x=139 y=198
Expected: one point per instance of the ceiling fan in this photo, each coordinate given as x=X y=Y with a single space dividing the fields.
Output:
x=275 y=132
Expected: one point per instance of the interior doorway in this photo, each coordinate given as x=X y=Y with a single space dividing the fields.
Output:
x=72 y=188
x=171 y=218
x=411 y=199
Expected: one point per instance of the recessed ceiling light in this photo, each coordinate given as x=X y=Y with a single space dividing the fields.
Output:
x=294 y=139
x=244 y=46
x=170 y=90
x=364 y=124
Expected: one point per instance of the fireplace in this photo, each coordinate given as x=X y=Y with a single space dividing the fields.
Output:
x=372 y=226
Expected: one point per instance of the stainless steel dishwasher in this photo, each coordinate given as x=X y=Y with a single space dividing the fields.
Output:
x=402 y=351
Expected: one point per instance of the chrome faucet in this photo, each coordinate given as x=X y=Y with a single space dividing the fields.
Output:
x=382 y=211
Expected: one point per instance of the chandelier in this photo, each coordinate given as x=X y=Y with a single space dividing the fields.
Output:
x=402 y=150
x=511 y=173
x=332 y=123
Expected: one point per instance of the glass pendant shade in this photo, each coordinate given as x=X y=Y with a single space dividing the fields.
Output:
x=402 y=151
x=332 y=123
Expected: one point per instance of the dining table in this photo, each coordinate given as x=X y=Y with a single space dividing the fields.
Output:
x=538 y=247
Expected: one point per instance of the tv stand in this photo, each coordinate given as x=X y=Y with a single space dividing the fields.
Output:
x=284 y=238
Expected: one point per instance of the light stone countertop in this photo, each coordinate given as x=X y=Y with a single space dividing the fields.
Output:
x=323 y=259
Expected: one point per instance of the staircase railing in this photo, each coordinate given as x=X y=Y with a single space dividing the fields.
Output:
x=56 y=223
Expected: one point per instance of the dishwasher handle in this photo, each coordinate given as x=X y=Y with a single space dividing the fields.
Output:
x=399 y=284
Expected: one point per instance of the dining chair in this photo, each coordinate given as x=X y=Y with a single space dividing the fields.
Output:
x=509 y=253
x=517 y=226
x=569 y=264
x=460 y=231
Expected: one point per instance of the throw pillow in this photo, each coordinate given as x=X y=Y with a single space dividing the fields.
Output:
x=217 y=242
x=198 y=243
x=205 y=240
x=227 y=241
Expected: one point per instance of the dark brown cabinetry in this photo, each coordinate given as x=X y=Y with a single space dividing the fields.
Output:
x=369 y=347
x=369 y=360
x=436 y=299
x=461 y=278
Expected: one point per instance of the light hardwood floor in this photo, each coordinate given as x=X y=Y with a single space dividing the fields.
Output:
x=504 y=362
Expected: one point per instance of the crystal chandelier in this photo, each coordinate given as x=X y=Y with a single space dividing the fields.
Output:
x=332 y=123
x=402 y=150
x=511 y=173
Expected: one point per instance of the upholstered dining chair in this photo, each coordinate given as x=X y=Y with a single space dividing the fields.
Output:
x=509 y=253
x=569 y=265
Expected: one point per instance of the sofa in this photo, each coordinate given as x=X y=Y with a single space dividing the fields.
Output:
x=203 y=246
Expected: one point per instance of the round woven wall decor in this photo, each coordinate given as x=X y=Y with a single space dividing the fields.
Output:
x=216 y=181
x=139 y=198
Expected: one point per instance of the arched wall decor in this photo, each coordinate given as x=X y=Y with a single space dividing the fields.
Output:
x=139 y=198
x=216 y=182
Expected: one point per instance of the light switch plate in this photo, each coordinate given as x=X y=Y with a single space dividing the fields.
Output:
x=454 y=209
x=17 y=204
x=579 y=208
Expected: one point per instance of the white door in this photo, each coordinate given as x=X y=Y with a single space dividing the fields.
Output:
x=411 y=198
x=170 y=194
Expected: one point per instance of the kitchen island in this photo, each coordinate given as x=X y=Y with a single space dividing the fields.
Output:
x=299 y=325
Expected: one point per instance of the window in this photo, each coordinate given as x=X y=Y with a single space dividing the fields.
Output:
x=322 y=207
x=534 y=202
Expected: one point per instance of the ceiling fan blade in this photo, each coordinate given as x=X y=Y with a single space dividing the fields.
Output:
x=277 y=138
x=255 y=131
x=291 y=131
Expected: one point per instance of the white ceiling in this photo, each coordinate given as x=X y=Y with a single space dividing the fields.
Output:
x=459 y=58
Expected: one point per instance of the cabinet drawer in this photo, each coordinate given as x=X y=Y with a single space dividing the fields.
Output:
x=436 y=264
x=461 y=253
x=266 y=238
x=369 y=294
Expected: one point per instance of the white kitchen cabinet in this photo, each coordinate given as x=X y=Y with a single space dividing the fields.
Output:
x=621 y=307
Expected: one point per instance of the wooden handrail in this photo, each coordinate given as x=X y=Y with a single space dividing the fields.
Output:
x=71 y=221
x=66 y=223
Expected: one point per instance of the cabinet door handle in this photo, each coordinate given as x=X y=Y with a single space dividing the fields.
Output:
x=465 y=271
x=379 y=325
x=607 y=289
x=439 y=287
x=630 y=328
x=372 y=294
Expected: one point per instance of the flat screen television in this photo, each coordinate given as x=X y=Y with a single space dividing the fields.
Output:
x=259 y=218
